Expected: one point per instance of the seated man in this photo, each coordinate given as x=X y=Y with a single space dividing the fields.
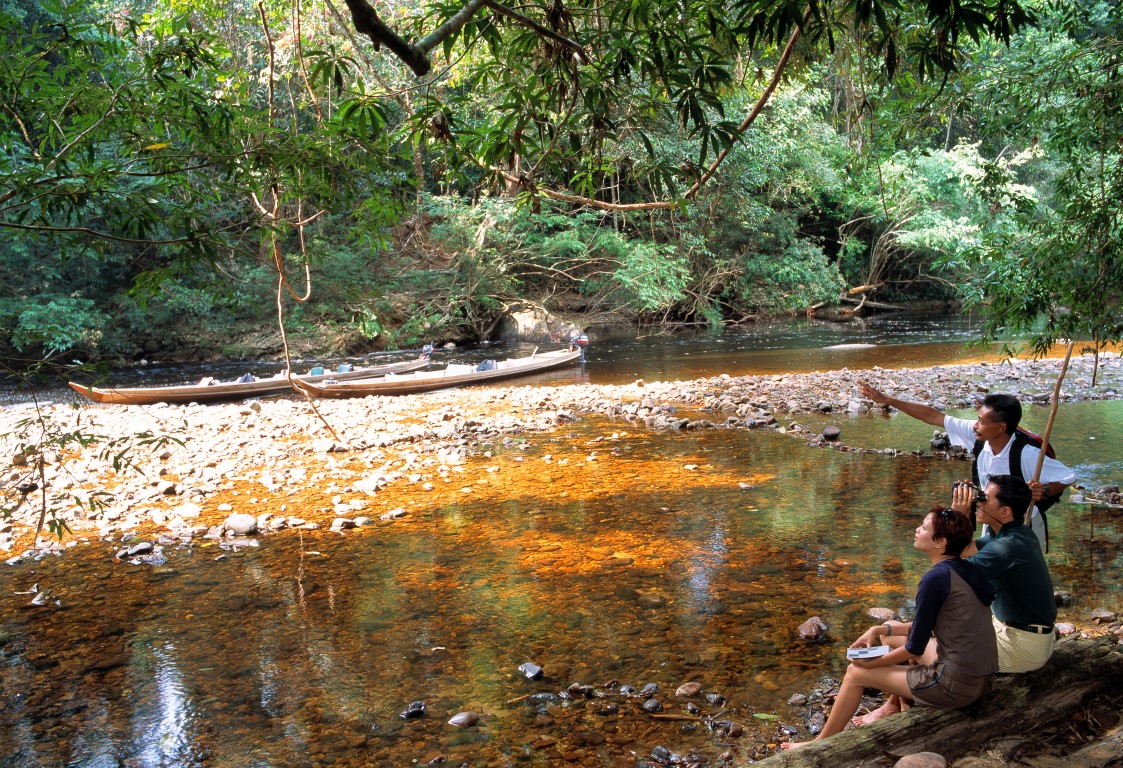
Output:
x=1024 y=610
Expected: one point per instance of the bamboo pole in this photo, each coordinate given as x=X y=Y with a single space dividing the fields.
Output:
x=1049 y=426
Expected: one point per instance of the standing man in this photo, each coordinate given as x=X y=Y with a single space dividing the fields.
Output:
x=996 y=428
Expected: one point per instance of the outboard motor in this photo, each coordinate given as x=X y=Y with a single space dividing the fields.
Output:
x=427 y=350
x=579 y=341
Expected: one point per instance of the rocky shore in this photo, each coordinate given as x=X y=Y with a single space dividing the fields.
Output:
x=110 y=470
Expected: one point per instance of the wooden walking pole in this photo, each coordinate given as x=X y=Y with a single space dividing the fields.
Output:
x=1049 y=426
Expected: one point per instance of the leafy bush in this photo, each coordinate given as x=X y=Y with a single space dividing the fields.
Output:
x=56 y=324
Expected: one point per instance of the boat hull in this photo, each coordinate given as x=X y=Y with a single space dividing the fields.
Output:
x=202 y=393
x=426 y=381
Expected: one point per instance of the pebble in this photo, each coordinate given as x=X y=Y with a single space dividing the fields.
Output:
x=241 y=524
x=531 y=671
x=1103 y=616
x=415 y=709
x=812 y=629
x=688 y=689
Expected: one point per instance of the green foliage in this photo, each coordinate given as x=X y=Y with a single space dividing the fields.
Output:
x=148 y=207
x=57 y=324
x=135 y=211
x=504 y=251
x=916 y=214
x=797 y=277
x=1053 y=268
x=654 y=277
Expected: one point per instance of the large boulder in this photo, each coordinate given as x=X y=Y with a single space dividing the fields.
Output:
x=536 y=326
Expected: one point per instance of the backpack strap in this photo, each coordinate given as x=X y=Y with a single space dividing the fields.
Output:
x=976 y=449
x=1019 y=444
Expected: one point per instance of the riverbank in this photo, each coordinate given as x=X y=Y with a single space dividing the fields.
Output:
x=178 y=471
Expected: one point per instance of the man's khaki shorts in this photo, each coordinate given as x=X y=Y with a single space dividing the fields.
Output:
x=1020 y=651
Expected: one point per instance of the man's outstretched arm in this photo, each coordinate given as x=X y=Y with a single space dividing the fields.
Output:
x=925 y=413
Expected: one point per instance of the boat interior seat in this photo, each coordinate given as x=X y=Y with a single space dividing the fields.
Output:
x=345 y=368
x=317 y=371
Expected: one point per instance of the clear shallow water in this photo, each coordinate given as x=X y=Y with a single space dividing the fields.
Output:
x=601 y=552
x=598 y=553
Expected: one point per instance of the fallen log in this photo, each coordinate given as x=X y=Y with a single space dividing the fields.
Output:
x=1018 y=704
x=872 y=304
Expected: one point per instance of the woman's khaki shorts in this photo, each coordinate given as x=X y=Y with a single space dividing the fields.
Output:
x=935 y=685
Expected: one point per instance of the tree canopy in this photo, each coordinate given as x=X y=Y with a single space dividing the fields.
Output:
x=674 y=160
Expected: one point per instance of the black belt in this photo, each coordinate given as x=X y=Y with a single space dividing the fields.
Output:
x=1037 y=629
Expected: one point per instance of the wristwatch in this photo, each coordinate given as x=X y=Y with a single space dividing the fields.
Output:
x=888 y=629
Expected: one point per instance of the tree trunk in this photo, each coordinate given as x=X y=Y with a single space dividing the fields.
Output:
x=1018 y=704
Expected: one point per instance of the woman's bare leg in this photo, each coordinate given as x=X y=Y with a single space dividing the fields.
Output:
x=894 y=704
x=892 y=680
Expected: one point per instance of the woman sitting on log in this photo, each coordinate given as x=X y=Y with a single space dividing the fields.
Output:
x=952 y=604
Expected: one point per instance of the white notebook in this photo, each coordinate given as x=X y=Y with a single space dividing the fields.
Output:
x=873 y=652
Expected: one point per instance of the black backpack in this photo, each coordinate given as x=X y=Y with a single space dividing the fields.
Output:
x=1021 y=438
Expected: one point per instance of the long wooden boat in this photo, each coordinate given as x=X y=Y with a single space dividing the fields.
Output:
x=208 y=392
x=452 y=376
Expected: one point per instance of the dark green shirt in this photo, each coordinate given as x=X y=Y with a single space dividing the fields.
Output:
x=1013 y=561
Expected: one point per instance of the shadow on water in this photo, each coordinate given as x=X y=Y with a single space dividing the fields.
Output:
x=602 y=555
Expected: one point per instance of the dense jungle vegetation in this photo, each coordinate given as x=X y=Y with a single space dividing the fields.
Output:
x=176 y=175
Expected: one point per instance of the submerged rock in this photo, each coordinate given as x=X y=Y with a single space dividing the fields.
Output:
x=415 y=709
x=921 y=760
x=812 y=629
x=464 y=719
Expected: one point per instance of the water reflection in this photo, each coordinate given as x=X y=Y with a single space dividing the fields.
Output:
x=619 y=356
x=598 y=554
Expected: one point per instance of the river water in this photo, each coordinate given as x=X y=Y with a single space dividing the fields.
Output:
x=789 y=345
x=607 y=555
